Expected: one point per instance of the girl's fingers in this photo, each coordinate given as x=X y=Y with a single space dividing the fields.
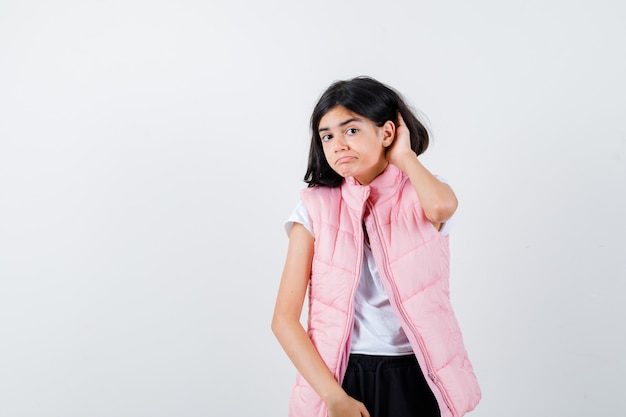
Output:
x=400 y=120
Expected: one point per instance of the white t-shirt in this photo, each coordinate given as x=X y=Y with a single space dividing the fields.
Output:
x=377 y=330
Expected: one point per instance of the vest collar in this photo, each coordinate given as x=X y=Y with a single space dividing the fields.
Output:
x=383 y=187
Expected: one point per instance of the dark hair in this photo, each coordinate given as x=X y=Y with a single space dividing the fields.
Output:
x=368 y=98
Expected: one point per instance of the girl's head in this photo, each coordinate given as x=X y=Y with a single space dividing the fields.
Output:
x=375 y=103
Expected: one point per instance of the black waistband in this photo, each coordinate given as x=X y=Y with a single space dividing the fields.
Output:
x=373 y=362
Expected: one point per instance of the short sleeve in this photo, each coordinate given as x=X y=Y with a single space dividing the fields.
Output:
x=299 y=215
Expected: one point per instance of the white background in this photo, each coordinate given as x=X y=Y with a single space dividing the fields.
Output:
x=151 y=150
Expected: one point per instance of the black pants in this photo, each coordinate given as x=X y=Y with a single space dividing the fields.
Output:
x=390 y=386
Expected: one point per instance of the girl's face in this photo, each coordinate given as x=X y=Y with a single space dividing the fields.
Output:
x=353 y=145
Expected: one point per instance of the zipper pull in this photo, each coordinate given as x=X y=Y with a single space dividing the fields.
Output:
x=433 y=377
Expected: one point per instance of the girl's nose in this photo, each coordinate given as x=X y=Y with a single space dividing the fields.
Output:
x=340 y=143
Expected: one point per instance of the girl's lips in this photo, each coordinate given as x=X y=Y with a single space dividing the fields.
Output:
x=344 y=159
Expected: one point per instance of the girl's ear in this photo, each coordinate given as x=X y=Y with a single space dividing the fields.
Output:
x=389 y=133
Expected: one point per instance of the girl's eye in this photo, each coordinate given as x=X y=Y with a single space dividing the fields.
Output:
x=352 y=131
x=326 y=138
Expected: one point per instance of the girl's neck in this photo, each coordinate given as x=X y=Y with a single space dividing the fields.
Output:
x=376 y=170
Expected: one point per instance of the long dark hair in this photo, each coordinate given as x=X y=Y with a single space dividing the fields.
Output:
x=368 y=98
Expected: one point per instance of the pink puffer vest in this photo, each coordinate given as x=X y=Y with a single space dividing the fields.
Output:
x=413 y=260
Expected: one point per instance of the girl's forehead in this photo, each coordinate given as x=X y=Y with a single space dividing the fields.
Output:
x=337 y=115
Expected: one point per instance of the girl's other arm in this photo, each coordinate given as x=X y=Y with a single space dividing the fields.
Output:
x=292 y=336
x=437 y=198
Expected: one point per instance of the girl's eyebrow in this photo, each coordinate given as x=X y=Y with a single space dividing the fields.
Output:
x=350 y=120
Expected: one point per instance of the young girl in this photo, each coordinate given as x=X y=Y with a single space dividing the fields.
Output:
x=369 y=241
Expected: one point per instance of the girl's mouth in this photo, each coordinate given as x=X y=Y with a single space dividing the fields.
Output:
x=344 y=159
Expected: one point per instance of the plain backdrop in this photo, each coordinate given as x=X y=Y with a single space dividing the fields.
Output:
x=150 y=152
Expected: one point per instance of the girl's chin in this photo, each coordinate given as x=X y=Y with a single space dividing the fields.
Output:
x=343 y=173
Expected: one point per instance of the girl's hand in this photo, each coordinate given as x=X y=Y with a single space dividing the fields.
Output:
x=400 y=149
x=346 y=406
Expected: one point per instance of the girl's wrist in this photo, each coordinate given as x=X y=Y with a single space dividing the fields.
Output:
x=404 y=161
x=333 y=395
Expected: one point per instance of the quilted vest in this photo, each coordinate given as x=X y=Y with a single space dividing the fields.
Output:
x=413 y=261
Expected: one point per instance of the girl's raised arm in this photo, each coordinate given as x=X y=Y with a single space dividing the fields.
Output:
x=292 y=336
x=437 y=198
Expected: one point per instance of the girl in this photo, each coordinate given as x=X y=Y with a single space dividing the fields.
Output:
x=369 y=241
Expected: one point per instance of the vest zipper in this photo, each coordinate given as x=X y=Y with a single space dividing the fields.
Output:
x=429 y=367
x=347 y=336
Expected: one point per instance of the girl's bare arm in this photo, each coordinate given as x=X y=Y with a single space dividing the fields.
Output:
x=292 y=336
x=437 y=198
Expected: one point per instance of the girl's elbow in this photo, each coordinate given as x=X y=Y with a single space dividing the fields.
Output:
x=279 y=323
x=276 y=324
x=441 y=211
